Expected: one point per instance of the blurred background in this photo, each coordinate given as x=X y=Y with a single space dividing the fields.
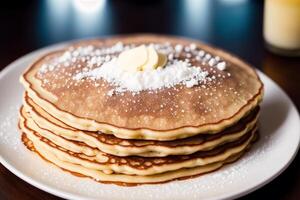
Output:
x=229 y=24
x=233 y=25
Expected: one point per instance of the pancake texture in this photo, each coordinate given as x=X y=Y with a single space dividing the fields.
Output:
x=86 y=121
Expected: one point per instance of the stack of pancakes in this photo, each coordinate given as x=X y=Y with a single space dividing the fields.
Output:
x=138 y=137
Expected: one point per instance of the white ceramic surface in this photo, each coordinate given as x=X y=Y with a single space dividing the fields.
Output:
x=276 y=148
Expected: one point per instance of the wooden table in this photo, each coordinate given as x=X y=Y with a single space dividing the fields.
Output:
x=235 y=26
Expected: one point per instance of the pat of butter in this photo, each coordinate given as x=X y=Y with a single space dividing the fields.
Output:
x=162 y=60
x=133 y=59
x=152 y=60
x=141 y=58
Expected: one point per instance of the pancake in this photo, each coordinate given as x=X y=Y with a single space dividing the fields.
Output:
x=168 y=113
x=74 y=152
x=139 y=109
x=122 y=147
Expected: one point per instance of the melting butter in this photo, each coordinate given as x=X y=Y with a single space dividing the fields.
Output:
x=141 y=58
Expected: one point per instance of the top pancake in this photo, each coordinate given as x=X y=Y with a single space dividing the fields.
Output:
x=163 y=114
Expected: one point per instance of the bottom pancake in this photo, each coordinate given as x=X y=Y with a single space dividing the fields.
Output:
x=74 y=165
x=127 y=180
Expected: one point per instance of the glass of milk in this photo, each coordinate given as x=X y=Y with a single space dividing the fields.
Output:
x=282 y=26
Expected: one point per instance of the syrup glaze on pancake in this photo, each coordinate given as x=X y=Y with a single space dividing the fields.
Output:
x=149 y=148
x=164 y=114
x=134 y=164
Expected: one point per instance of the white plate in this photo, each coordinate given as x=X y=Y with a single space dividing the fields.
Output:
x=278 y=144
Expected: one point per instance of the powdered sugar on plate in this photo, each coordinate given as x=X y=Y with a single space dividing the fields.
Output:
x=9 y=121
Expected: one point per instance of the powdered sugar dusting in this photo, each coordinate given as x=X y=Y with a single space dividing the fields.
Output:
x=88 y=54
x=177 y=72
x=94 y=63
